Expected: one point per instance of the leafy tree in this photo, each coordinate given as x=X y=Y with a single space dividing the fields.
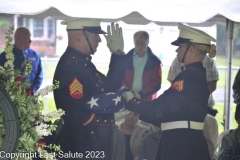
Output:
x=236 y=41
x=4 y=23
x=222 y=40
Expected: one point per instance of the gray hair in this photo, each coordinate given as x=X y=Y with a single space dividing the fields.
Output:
x=142 y=34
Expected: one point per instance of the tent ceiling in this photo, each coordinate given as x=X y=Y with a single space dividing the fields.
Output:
x=162 y=12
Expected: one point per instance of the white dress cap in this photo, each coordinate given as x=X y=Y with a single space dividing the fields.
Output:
x=196 y=35
x=193 y=35
x=89 y=24
x=78 y=23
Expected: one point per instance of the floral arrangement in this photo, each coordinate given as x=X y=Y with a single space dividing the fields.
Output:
x=33 y=126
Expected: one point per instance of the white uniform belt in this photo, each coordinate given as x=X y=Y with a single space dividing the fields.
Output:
x=182 y=124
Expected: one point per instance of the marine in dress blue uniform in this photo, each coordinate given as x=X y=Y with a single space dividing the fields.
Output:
x=180 y=111
x=85 y=96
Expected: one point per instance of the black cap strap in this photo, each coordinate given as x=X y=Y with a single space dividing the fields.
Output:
x=89 y=44
x=185 y=53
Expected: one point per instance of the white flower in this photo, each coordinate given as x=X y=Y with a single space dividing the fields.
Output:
x=42 y=126
x=45 y=91
x=53 y=115
x=42 y=129
x=34 y=112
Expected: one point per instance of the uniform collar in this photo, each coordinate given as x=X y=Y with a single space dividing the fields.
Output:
x=78 y=54
x=194 y=64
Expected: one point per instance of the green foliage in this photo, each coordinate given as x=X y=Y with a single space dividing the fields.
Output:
x=165 y=71
x=27 y=141
x=222 y=40
x=223 y=61
x=4 y=23
x=53 y=147
x=31 y=120
x=220 y=116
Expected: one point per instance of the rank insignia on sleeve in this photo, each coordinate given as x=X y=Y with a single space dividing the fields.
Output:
x=178 y=85
x=76 y=89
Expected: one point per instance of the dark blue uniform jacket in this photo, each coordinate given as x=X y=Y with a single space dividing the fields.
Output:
x=185 y=100
x=84 y=94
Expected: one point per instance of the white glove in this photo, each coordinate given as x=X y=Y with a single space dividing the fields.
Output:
x=128 y=95
x=115 y=38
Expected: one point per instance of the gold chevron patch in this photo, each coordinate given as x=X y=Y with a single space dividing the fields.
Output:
x=76 y=89
x=179 y=85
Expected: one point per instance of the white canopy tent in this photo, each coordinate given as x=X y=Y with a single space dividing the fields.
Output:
x=161 y=12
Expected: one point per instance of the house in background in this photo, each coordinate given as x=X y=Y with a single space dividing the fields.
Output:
x=43 y=33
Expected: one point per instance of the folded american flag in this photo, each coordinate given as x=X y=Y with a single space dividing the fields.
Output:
x=106 y=103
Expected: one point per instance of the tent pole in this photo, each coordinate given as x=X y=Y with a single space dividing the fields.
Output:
x=228 y=100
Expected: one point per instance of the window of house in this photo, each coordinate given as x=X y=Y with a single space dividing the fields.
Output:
x=41 y=29
x=20 y=21
x=38 y=28
x=50 y=27
x=27 y=23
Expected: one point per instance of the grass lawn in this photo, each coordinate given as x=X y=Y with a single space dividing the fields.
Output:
x=223 y=61
x=219 y=116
